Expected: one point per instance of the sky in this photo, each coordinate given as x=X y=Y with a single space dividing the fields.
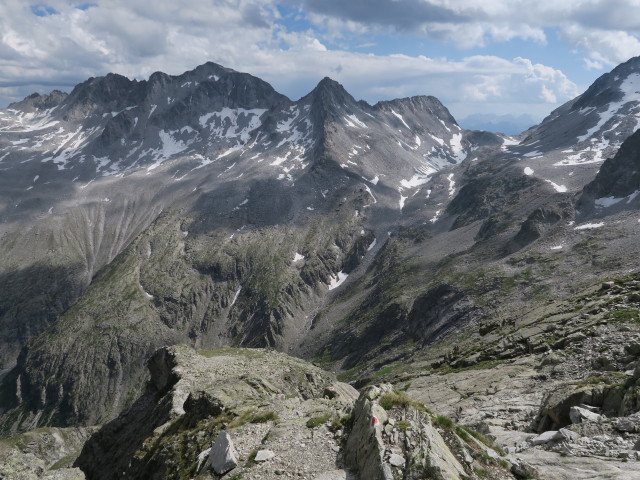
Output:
x=479 y=57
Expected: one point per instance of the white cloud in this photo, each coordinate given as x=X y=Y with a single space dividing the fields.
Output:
x=135 y=39
x=604 y=30
x=604 y=48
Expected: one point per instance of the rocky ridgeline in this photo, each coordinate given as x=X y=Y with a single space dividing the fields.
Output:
x=256 y=414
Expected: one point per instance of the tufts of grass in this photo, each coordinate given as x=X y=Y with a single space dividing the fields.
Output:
x=253 y=417
x=314 y=422
x=624 y=315
x=264 y=417
x=403 y=425
x=444 y=422
x=396 y=399
x=251 y=461
x=338 y=423
x=481 y=472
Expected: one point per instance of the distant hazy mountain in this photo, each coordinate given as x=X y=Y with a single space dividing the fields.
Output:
x=508 y=124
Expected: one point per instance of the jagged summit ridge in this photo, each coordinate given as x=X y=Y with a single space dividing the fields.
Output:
x=592 y=126
x=216 y=119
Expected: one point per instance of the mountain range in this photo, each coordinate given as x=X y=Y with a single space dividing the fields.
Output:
x=382 y=242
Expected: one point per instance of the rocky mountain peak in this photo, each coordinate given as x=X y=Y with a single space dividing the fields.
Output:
x=330 y=94
x=590 y=128
x=610 y=87
x=101 y=95
x=419 y=103
x=616 y=185
x=37 y=101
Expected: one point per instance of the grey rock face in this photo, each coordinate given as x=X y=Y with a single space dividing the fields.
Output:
x=222 y=457
x=264 y=455
x=578 y=415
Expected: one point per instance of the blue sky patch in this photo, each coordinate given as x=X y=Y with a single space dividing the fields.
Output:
x=86 y=6
x=42 y=10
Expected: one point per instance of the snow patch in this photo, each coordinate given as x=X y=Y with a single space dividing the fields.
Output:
x=235 y=297
x=297 y=257
x=233 y=122
x=415 y=181
x=456 y=147
x=589 y=226
x=354 y=122
x=630 y=88
x=170 y=147
x=373 y=244
x=369 y=191
x=535 y=153
x=402 y=199
x=528 y=171
x=557 y=188
x=337 y=280
x=452 y=185
x=400 y=118
x=607 y=201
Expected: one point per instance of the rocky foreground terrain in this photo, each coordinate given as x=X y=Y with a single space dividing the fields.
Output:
x=256 y=414
x=201 y=278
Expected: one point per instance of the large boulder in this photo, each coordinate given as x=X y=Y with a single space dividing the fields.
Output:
x=222 y=457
